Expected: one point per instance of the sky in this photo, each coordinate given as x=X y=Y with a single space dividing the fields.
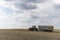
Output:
x=22 y=14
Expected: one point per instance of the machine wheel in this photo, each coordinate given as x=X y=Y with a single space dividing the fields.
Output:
x=35 y=29
x=51 y=31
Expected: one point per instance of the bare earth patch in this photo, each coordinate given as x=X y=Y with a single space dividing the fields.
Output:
x=28 y=35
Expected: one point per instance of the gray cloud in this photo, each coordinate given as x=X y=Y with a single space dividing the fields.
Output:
x=34 y=1
x=22 y=4
x=57 y=6
x=25 y=6
x=34 y=17
x=10 y=0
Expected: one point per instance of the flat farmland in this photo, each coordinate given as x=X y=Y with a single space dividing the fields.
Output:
x=15 y=34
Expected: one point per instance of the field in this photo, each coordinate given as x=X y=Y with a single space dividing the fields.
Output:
x=28 y=35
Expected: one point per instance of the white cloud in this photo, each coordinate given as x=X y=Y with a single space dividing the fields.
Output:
x=56 y=1
x=56 y=21
x=26 y=18
x=2 y=14
x=8 y=5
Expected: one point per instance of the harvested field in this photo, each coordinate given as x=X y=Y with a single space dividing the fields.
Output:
x=28 y=35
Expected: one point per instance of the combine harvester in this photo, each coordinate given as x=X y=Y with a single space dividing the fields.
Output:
x=42 y=28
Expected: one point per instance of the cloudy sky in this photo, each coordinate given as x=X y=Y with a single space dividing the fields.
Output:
x=25 y=13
